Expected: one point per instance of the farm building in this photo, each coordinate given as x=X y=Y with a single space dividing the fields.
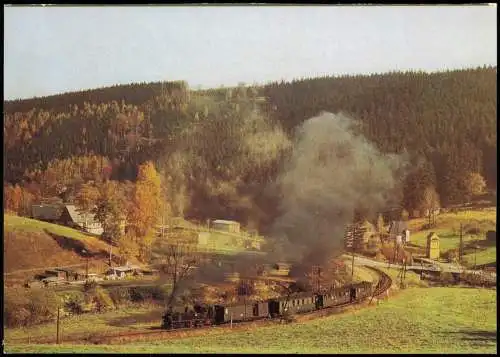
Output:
x=226 y=226
x=72 y=217
x=122 y=272
x=433 y=246
x=46 y=212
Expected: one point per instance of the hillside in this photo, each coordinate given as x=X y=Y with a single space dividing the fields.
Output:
x=475 y=225
x=413 y=321
x=445 y=121
x=31 y=245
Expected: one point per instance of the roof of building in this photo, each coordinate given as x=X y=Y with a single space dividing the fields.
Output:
x=46 y=211
x=397 y=227
x=78 y=216
x=223 y=221
x=432 y=235
x=125 y=268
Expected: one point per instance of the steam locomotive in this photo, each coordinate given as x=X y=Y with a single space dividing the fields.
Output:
x=206 y=315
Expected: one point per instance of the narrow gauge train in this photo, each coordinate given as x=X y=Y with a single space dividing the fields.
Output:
x=204 y=315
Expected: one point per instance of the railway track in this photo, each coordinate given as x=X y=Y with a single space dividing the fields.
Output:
x=382 y=286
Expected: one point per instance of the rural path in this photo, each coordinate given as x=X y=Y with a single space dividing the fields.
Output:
x=435 y=266
x=43 y=268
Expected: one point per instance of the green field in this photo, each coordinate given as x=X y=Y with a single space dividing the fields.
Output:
x=125 y=319
x=448 y=230
x=28 y=225
x=416 y=320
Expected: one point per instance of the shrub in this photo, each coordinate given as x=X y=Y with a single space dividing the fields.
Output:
x=147 y=293
x=451 y=255
x=15 y=307
x=28 y=307
x=120 y=295
x=74 y=302
x=102 y=300
x=89 y=286
x=289 y=316
x=43 y=305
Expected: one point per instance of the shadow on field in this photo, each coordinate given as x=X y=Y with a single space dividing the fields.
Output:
x=76 y=246
x=137 y=318
x=477 y=337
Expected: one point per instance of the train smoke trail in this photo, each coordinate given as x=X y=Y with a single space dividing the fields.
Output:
x=331 y=172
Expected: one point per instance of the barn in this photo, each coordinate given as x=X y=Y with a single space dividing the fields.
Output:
x=72 y=217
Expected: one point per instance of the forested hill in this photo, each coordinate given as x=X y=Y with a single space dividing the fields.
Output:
x=448 y=117
x=445 y=120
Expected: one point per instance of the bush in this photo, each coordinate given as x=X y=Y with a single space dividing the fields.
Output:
x=28 y=307
x=102 y=300
x=120 y=295
x=451 y=255
x=147 y=293
x=289 y=316
x=74 y=302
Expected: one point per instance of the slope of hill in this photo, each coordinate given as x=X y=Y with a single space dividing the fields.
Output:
x=475 y=224
x=31 y=245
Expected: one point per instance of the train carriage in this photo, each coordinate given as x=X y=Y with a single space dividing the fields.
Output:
x=202 y=314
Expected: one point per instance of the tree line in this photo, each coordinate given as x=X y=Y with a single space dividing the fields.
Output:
x=216 y=153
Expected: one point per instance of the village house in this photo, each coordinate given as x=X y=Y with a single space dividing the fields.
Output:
x=122 y=272
x=72 y=217
x=398 y=230
x=46 y=212
x=68 y=215
x=226 y=226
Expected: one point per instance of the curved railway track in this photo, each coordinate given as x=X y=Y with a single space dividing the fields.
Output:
x=382 y=286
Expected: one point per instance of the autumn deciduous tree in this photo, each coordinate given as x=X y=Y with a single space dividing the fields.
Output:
x=429 y=203
x=474 y=185
x=380 y=224
x=86 y=199
x=146 y=206
x=109 y=210
x=12 y=198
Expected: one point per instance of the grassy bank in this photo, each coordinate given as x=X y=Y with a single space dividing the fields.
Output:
x=416 y=320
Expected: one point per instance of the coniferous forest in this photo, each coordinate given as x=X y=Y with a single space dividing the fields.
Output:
x=218 y=151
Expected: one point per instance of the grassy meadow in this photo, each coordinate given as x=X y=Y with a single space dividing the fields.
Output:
x=448 y=230
x=415 y=320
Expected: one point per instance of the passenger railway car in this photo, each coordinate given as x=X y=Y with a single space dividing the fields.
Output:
x=246 y=311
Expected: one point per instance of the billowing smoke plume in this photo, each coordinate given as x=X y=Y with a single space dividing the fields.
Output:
x=331 y=172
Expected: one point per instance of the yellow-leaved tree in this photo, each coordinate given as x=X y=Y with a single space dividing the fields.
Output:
x=145 y=207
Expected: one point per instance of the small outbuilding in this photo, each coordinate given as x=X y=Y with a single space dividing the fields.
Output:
x=433 y=246
x=122 y=272
x=226 y=226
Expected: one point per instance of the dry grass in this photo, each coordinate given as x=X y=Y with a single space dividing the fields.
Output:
x=30 y=244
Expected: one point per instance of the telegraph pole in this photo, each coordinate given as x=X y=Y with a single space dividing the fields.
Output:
x=58 y=325
x=461 y=248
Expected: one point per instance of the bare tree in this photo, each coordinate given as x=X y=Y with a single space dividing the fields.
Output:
x=177 y=263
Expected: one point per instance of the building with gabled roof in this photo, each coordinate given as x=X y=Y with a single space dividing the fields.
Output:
x=226 y=226
x=46 y=212
x=73 y=217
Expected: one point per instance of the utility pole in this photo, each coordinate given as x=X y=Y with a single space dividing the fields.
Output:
x=87 y=269
x=461 y=248
x=110 y=255
x=354 y=231
x=58 y=325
